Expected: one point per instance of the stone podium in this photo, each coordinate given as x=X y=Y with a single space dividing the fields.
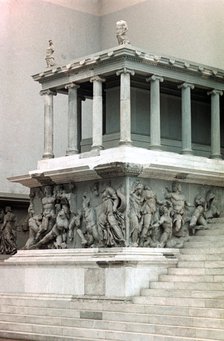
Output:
x=113 y=212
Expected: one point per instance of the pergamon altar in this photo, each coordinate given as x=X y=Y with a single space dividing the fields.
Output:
x=112 y=187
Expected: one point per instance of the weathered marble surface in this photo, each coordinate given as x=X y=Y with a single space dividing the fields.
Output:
x=117 y=272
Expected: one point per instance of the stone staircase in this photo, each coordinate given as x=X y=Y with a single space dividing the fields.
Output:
x=186 y=304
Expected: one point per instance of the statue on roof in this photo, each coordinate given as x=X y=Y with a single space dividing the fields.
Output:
x=49 y=54
x=121 y=30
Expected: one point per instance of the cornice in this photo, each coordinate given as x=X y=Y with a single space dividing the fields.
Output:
x=134 y=54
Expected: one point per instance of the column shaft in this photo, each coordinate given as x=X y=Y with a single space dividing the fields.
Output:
x=73 y=128
x=186 y=117
x=97 y=124
x=125 y=106
x=215 y=124
x=155 y=112
x=48 y=124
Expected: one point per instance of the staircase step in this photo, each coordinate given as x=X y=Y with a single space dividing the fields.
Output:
x=166 y=319
x=202 y=250
x=116 y=330
x=215 y=230
x=204 y=244
x=200 y=256
x=176 y=301
x=42 y=337
x=182 y=293
x=219 y=220
x=200 y=264
x=195 y=271
x=207 y=238
x=192 y=278
x=110 y=319
x=187 y=285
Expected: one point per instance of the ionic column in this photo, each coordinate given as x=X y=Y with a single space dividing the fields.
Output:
x=125 y=105
x=186 y=117
x=155 y=111
x=73 y=128
x=215 y=124
x=97 y=125
x=48 y=123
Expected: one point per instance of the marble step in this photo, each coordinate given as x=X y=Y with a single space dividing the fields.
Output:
x=201 y=264
x=204 y=244
x=95 y=308
x=207 y=264
x=42 y=337
x=181 y=301
x=192 y=278
x=212 y=231
x=187 y=285
x=183 y=293
x=207 y=238
x=110 y=319
x=195 y=271
x=201 y=256
x=116 y=330
x=202 y=250
x=218 y=220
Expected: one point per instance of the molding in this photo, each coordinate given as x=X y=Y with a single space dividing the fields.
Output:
x=215 y=92
x=186 y=85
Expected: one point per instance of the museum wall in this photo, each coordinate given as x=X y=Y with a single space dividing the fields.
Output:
x=188 y=29
x=25 y=28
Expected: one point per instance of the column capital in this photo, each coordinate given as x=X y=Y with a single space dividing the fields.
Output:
x=48 y=92
x=186 y=85
x=97 y=78
x=215 y=92
x=72 y=86
x=154 y=78
x=125 y=70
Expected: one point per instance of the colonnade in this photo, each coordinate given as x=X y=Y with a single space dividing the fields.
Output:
x=125 y=74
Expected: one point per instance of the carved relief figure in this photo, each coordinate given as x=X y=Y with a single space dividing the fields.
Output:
x=135 y=214
x=211 y=209
x=121 y=30
x=49 y=54
x=178 y=202
x=166 y=224
x=75 y=229
x=110 y=221
x=34 y=224
x=198 y=219
x=148 y=211
x=89 y=219
x=8 y=233
x=49 y=214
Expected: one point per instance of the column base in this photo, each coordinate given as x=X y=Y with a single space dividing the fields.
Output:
x=71 y=152
x=216 y=156
x=48 y=156
x=125 y=143
x=97 y=147
x=155 y=147
x=187 y=152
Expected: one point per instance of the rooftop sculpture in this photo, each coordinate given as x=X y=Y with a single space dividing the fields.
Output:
x=121 y=30
x=49 y=54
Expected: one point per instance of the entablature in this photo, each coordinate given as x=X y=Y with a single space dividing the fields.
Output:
x=108 y=62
